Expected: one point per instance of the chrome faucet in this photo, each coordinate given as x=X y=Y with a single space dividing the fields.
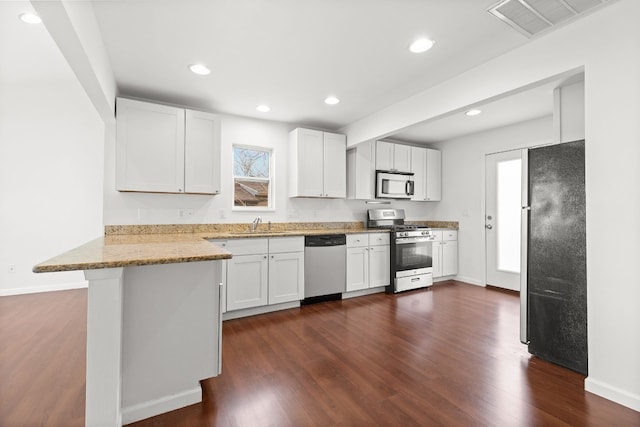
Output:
x=256 y=222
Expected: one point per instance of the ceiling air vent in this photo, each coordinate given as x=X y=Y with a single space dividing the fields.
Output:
x=530 y=17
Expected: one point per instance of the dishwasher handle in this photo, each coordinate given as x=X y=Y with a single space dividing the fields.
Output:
x=325 y=240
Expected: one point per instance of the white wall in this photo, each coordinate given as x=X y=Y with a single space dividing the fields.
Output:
x=51 y=163
x=137 y=208
x=463 y=178
x=568 y=124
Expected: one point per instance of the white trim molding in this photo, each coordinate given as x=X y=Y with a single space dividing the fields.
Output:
x=612 y=393
x=44 y=288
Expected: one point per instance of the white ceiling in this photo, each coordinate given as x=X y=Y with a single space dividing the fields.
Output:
x=528 y=104
x=289 y=54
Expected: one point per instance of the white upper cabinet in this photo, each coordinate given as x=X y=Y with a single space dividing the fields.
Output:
x=426 y=167
x=202 y=153
x=335 y=165
x=361 y=172
x=419 y=169
x=402 y=158
x=433 y=189
x=393 y=157
x=384 y=155
x=317 y=164
x=368 y=261
x=166 y=149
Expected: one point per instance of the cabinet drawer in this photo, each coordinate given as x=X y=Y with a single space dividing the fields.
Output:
x=450 y=235
x=286 y=244
x=377 y=239
x=437 y=235
x=248 y=246
x=357 y=240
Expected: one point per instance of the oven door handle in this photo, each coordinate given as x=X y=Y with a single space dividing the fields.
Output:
x=407 y=240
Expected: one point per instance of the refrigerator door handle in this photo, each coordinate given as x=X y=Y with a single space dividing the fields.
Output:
x=524 y=240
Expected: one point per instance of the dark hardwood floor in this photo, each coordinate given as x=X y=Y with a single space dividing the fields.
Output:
x=446 y=356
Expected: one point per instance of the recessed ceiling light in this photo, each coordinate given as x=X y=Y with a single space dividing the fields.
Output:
x=263 y=108
x=199 y=69
x=30 y=18
x=473 y=112
x=421 y=45
x=331 y=100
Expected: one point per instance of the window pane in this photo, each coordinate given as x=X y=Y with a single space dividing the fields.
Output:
x=250 y=163
x=508 y=213
x=251 y=177
x=250 y=193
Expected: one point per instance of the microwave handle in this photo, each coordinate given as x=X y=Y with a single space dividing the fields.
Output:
x=409 y=188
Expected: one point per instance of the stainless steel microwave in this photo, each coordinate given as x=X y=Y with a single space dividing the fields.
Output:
x=394 y=185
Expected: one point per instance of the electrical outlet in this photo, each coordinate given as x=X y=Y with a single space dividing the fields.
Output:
x=12 y=268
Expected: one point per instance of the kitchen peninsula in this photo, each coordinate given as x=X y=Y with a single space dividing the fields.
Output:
x=153 y=322
x=154 y=311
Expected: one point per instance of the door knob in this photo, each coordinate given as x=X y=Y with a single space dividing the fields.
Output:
x=488 y=226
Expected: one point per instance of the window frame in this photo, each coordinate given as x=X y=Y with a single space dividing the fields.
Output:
x=271 y=184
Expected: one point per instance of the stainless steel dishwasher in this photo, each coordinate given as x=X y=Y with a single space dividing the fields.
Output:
x=325 y=267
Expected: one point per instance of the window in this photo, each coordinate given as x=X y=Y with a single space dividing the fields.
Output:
x=508 y=213
x=252 y=187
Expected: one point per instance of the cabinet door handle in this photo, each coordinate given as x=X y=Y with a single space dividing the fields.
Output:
x=264 y=257
x=272 y=257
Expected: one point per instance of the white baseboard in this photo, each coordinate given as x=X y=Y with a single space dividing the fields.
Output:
x=469 y=280
x=164 y=404
x=236 y=314
x=45 y=288
x=612 y=393
x=363 y=292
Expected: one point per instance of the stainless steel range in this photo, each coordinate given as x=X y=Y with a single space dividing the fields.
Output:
x=411 y=250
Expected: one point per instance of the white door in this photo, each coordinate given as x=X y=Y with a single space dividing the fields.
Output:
x=202 y=153
x=335 y=165
x=149 y=147
x=247 y=277
x=310 y=164
x=379 y=265
x=384 y=155
x=502 y=218
x=402 y=158
x=419 y=169
x=357 y=268
x=433 y=190
x=286 y=277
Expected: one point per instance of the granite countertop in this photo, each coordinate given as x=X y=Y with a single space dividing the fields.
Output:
x=135 y=245
x=107 y=252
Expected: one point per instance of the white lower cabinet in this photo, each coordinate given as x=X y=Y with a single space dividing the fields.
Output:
x=368 y=261
x=286 y=277
x=357 y=268
x=264 y=271
x=445 y=253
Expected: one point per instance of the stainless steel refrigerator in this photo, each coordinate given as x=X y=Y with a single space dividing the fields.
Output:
x=553 y=277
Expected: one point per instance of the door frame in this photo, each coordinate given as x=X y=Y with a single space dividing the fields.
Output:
x=483 y=203
x=504 y=275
